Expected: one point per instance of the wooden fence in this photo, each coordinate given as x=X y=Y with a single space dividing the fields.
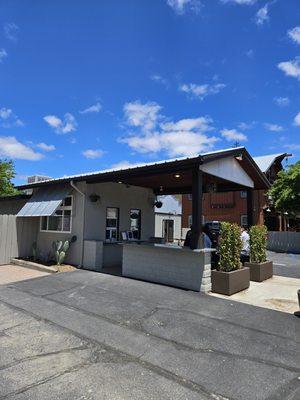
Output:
x=16 y=237
x=287 y=242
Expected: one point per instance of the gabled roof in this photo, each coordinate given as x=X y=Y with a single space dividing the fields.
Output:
x=265 y=162
x=138 y=174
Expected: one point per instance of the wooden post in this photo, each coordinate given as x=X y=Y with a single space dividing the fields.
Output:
x=250 y=207
x=197 y=182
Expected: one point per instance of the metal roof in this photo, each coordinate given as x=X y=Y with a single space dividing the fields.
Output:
x=45 y=201
x=81 y=177
x=265 y=162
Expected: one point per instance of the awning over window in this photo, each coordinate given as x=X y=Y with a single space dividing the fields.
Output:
x=45 y=201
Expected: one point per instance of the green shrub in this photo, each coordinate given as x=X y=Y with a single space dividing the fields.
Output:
x=230 y=247
x=60 y=249
x=258 y=243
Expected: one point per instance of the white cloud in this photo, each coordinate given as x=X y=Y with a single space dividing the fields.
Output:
x=10 y=147
x=273 y=127
x=233 y=134
x=282 y=101
x=182 y=6
x=292 y=146
x=248 y=2
x=11 y=31
x=126 y=164
x=150 y=133
x=67 y=125
x=8 y=119
x=95 y=108
x=141 y=115
x=3 y=54
x=297 y=120
x=46 y=147
x=201 y=91
x=93 y=154
x=245 y=126
x=159 y=79
x=294 y=34
x=262 y=15
x=291 y=68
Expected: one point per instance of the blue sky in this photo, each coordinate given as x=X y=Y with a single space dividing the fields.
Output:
x=87 y=85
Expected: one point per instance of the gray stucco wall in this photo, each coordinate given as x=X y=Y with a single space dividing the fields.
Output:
x=111 y=195
x=45 y=239
x=123 y=197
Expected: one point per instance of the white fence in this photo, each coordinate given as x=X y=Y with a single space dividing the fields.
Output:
x=288 y=242
x=16 y=237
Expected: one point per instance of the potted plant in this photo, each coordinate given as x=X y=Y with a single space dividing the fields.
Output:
x=260 y=268
x=230 y=277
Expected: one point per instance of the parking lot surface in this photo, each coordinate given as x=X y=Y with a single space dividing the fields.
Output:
x=85 y=335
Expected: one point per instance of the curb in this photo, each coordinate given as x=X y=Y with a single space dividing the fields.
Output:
x=33 y=265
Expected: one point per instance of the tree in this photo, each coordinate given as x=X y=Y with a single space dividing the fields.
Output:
x=285 y=191
x=7 y=173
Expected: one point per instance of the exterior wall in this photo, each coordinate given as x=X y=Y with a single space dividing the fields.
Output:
x=111 y=195
x=226 y=207
x=45 y=239
x=159 y=217
x=124 y=198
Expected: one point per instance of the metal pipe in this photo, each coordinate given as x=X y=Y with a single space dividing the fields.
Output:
x=83 y=222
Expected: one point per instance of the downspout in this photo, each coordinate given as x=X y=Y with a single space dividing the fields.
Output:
x=83 y=222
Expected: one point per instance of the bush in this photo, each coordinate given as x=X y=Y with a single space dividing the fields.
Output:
x=230 y=247
x=258 y=243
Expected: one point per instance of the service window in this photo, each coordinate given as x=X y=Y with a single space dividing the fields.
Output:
x=112 y=224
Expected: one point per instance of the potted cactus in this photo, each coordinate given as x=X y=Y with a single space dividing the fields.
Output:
x=230 y=277
x=260 y=268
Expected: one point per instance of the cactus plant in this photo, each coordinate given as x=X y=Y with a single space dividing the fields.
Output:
x=60 y=249
x=230 y=247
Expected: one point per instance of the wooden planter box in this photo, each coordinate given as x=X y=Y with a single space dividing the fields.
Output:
x=260 y=271
x=230 y=282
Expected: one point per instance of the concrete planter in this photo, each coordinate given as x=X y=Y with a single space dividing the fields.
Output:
x=231 y=282
x=260 y=271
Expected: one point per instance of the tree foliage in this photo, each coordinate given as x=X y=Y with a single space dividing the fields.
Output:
x=7 y=173
x=258 y=243
x=285 y=191
x=230 y=247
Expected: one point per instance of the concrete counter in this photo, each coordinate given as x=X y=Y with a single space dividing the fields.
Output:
x=169 y=265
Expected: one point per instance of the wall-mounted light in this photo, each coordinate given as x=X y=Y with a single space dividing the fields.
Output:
x=268 y=209
x=120 y=182
x=177 y=176
x=239 y=157
x=161 y=188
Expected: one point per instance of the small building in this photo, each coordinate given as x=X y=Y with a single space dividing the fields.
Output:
x=109 y=216
x=168 y=219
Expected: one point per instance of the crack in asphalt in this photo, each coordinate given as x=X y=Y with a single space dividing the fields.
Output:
x=181 y=346
x=189 y=384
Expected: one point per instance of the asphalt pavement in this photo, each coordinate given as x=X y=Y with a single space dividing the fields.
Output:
x=85 y=335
